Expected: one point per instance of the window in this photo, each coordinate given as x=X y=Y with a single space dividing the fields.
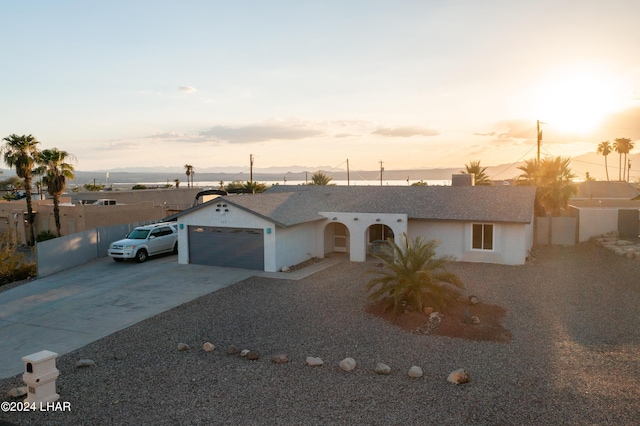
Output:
x=482 y=238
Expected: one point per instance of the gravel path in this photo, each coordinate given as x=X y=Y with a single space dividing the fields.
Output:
x=574 y=357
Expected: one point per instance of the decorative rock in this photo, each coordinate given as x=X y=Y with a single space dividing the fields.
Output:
x=183 y=347
x=314 y=362
x=17 y=392
x=458 y=376
x=348 y=364
x=244 y=352
x=232 y=350
x=475 y=320
x=435 y=315
x=415 y=372
x=280 y=359
x=208 y=347
x=85 y=363
x=253 y=356
x=473 y=300
x=428 y=310
x=285 y=269
x=382 y=368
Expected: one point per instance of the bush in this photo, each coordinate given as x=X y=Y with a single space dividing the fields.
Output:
x=139 y=186
x=45 y=235
x=13 y=265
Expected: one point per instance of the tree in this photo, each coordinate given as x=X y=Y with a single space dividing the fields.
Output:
x=177 y=182
x=420 y=183
x=55 y=172
x=320 y=178
x=623 y=146
x=480 y=172
x=553 y=179
x=20 y=152
x=605 y=148
x=93 y=187
x=245 y=187
x=188 y=170
x=413 y=275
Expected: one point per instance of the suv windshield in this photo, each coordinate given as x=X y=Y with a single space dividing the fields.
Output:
x=138 y=234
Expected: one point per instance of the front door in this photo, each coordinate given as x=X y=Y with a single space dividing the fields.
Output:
x=340 y=238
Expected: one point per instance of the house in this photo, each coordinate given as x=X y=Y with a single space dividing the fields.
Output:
x=601 y=207
x=289 y=224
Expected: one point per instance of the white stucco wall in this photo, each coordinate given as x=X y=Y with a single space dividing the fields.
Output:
x=358 y=243
x=596 y=221
x=511 y=241
x=234 y=218
x=296 y=244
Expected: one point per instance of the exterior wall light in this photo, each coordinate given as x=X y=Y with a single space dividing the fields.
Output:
x=355 y=218
x=378 y=220
x=399 y=220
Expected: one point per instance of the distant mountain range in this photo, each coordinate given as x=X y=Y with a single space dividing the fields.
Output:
x=591 y=163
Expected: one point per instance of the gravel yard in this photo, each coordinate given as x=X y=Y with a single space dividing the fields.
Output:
x=574 y=356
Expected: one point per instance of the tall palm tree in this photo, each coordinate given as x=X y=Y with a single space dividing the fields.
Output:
x=20 y=152
x=480 y=172
x=412 y=274
x=320 y=178
x=55 y=172
x=620 y=146
x=625 y=145
x=188 y=170
x=605 y=149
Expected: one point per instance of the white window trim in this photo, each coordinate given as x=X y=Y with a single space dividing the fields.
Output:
x=493 y=237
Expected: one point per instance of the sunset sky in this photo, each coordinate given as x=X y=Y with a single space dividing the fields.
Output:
x=416 y=84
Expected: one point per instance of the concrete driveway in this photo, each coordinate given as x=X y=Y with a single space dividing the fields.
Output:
x=72 y=308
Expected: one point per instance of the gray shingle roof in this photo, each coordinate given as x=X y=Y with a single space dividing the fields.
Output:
x=606 y=190
x=291 y=205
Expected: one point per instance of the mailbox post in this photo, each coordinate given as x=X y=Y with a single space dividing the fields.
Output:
x=40 y=374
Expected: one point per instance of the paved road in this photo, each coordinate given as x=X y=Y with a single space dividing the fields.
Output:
x=72 y=308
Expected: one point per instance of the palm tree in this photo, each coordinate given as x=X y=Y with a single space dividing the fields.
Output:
x=21 y=152
x=621 y=147
x=624 y=146
x=605 y=149
x=177 y=182
x=480 y=172
x=413 y=275
x=319 y=178
x=553 y=179
x=55 y=172
x=188 y=171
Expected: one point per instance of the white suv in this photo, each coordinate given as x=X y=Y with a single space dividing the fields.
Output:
x=145 y=241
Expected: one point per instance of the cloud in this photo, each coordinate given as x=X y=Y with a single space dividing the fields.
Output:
x=485 y=134
x=119 y=145
x=262 y=132
x=406 y=132
x=344 y=135
x=187 y=89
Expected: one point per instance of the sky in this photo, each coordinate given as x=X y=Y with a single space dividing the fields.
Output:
x=415 y=84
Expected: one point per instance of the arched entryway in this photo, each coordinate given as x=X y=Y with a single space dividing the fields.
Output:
x=336 y=238
x=380 y=232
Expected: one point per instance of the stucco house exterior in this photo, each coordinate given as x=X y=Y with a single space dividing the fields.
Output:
x=289 y=224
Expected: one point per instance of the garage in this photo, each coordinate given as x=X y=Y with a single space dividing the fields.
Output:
x=228 y=247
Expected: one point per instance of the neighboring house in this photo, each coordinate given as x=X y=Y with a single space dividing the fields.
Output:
x=289 y=224
x=601 y=207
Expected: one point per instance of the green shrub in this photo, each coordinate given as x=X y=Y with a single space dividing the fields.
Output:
x=45 y=235
x=13 y=265
x=139 y=186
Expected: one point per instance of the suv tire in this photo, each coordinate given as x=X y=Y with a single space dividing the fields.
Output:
x=141 y=255
x=175 y=248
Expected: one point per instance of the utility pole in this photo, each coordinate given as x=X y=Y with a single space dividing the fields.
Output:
x=348 y=179
x=539 y=132
x=251 y=168
x=381 y=170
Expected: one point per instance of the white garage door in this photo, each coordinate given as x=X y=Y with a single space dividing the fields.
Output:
x=229 y=247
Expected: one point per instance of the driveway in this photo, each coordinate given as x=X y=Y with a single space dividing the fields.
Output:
x=75 y=307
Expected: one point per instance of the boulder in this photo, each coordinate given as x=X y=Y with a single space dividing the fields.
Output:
x=415 y=372
x=83 y=363
x=473 y=300
x=314 y=362
x=232 y=350
x=253 y=356
x=18 y=392
x=244 y=352
x=208 y=347
x=458 y=376
x=475 y=320
x=427 y=310
x=348 y=364
x=183 y=347
x=280 y=359
x=382 y=368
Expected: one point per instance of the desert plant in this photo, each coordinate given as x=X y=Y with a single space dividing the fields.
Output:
x=13 y=265
x=413 y=275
